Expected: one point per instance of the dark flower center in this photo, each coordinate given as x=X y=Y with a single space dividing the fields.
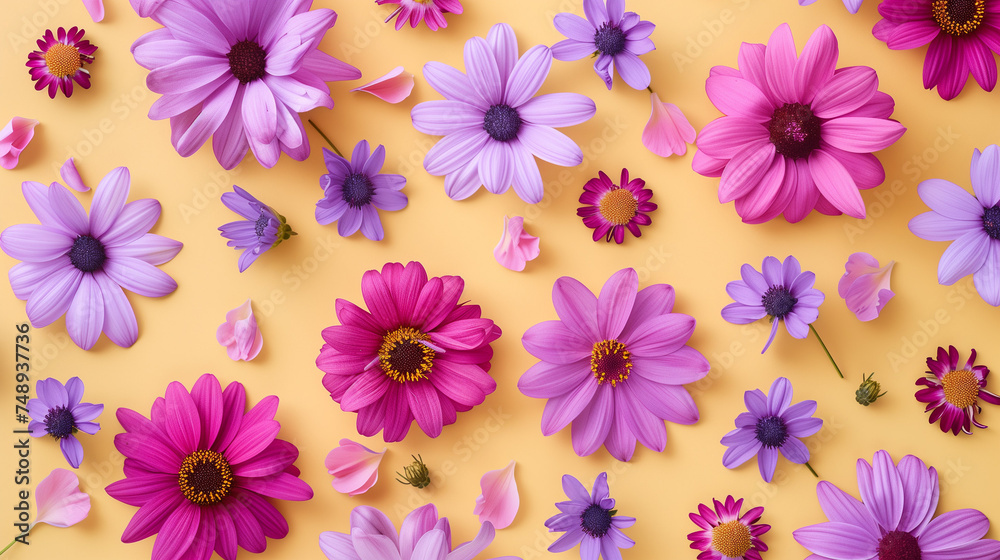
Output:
x=59 y=422
x=958 y=17
x=502 y=122
x=205 y=477
x=596 y=521
x=87 y=254
x=794 y=130
x=771 y=431
x=609 y=39
x=403 y=357
x=261 y=224
x=610 y=361
x=898 y=545
x=991 y=222
x=778 y=301
x=247 y=61
x=358 y=190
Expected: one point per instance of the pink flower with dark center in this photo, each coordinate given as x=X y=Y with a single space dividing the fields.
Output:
x=952 y=391
x=59 y=61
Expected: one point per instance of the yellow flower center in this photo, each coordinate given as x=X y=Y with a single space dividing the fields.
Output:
x=63 y=60
x=731 y=539
x=618 y=206
x=958 y=17
x=402 y=357
x=610 y=362
x=961 y=388
x=205 y=477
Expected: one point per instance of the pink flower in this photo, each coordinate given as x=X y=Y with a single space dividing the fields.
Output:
x=516 y=246
x=391 y=88
x=72 y=177
x=95 y=8
x=59 y=500
x=668 y=131
x=239 y=334
x=499 y=501
x=14 y=138
x=865 y=285
x=354 y=467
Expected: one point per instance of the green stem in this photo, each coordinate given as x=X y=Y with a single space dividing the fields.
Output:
x=832 y=361
x=325 y=138
x=11 y=544
x=811 y=469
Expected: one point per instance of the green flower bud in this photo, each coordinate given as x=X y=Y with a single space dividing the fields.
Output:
x=868 y=392
x=416 y=474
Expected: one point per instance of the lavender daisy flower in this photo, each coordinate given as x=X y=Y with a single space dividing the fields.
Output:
x=493 y=124
x=262 y=229
x=972 y=222
x=590 y=521
x=771 y=424
x=354 y=191
x=58 y=412
x=615 y=36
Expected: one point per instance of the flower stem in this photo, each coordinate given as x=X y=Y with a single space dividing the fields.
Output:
x=11 y=543
x=821 y=343
x=650 y=88
x=811 y=469
x=325 y=138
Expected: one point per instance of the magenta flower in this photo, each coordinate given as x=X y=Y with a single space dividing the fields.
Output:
x=865 y=286
x=417 y=353
x=971 y=222
x=493 y=124
x=727 y=535
x=516 y=246
x=354 y=467
x=77 y=266
x=952 y=394
x=58 y=412
x=668 y=131
x=798 y=133
x=610 y=209
x=429 y=11
x=59 y=61
x=260 y=230
x=771 y=425
x=590 y=521
x=962 y=36
x=895 y=518
x=14 y=139
x=613 y=365
x=852 y=5
x=59 y=501
x=615 y=36
x=241 y=80
x=200 y=468
x=391 y=88
x=354 y=191
x=71 y=176
x=499 y=501
x=239 y=334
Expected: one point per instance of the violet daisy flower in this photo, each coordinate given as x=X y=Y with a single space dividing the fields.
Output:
x=895 y=518
x=952 y=391
x=962 y=37
x=200 y=468
x=852 y=5
x=262 y=228
x=972 y=222
x=77 y=266
x=614 y=36
x=611 y=208
x=798 y=133
x=727 y=535
x=771 y=425
x=614 y=365
x=242 y=80
x=417 y=353
x=493 y=124
x=590 y=521
x=429 y=11
x=354 y=191
x=58 y=412
x=59 y=61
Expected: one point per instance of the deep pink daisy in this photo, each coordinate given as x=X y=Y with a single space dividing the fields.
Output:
x=727 y=535
x=417 y=353
x=429 y=11
x=59 y=61
x=611 y=208
x=798 y=133
x=199 y=469
x=952 y=391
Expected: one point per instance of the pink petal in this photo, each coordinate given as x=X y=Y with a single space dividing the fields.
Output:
x=668 y=131
x=239 y=334
x=59 y=500
x=354 y=467
x=516 y=246
x=499 y=501
x=391 y=88
x=71 y=176
x=865 y=286
x=14 y=138
x=95 y=8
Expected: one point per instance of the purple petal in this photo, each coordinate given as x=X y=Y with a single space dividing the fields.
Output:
x=835 y=540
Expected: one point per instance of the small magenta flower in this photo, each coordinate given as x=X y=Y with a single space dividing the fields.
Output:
x=239 y=334
x=516 y=246
x=499 y=501
x=952 y=391
x=391 y=88
x=610 y=209
x=60 y=60
x=865 y=286
x=58 y=412
x=354 y=467
x=668 y=131
x=727 y=535
x=14 y=138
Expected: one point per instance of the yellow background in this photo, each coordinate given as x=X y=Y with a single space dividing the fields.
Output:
x=695 y=244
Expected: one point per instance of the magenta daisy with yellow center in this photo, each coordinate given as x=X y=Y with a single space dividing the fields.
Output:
x=953 y=391
x=610 y=209
x=727 y=535
x=59 y=61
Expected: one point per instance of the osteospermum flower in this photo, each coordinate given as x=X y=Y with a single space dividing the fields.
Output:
x=727 y=535
x=953 y=391
x=962 y=36
x=895 y=518
x=615 y=36
x=58 y=412
x=261 y=229
x=200 y=470
x=493 y=124
x=417 y=353
x=611 y=209
x=971 y=222
x=77 y=265
x=59 y=61
x=590 y=521
x=242 y=80
x=614 y=365
x=798 y=133
x=429 y=11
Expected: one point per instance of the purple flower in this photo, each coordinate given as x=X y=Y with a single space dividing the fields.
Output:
x=895 y=518
x=492 y=122
x=354 y=191
x=58 y=412
x=262 y=228
x=77 y=266
x=615 y=36
x=971 y=222
x=590 y=521
x=771 y=424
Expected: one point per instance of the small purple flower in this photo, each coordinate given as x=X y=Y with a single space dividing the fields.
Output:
x=58 y=412
x=354 y=191
x=771 y=424
x=617 y=38
x=262 y=229
x=590 y=521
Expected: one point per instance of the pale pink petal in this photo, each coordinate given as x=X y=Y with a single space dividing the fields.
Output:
x=13 y=139
x=354 y=467
x=59 y=500
x=71 y=176
x=95 y=8
x=239 y=334
x=499 y=501
x=865 y=286
x=391 y=88
x=668 y=131
x=516 y=246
